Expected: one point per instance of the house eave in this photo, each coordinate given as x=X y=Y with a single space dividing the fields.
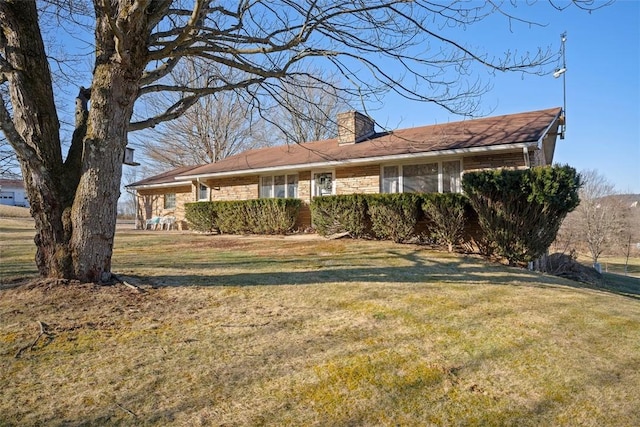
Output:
x=548 y=129
x=163 y=185
x=366 y=160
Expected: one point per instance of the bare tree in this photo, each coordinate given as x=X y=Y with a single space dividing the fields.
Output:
x=214 y=128
x=138 y=43
x=306 y=110
x=599 y=215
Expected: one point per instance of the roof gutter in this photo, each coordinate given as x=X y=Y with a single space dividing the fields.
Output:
x=162 y=185
x=367 y=160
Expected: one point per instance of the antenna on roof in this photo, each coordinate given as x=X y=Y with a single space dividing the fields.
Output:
x=561 y=72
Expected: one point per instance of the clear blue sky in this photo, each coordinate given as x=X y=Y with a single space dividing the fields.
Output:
x=602 y=81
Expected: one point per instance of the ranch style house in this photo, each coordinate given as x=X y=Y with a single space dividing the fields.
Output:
x=360 y=160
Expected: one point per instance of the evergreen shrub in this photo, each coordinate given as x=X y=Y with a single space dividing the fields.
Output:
x=258 y=216
x=520 y=211
x=394 y=216
x=201 y=216
x=340 y=214
x=446 y=215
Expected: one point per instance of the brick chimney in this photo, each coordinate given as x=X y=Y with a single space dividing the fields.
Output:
x=354 y=127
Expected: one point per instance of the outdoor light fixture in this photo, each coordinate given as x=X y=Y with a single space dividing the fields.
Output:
x=559 y=72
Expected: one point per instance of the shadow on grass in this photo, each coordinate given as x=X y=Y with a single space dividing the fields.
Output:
x=420 y=270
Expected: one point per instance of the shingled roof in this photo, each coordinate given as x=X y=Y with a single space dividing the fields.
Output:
x=477 y=135
x=168 y=177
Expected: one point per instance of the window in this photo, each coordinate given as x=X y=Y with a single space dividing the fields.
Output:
x=292 y=185
x=170 y=201
x=279 y=186
x=279 y=190
x=391 y=179
x=322 y=184
x=203 y=193
x=431 y=177
x=451 y=177
x=420 y=178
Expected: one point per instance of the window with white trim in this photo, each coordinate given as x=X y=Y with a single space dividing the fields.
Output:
x=432 y=177
x=390 y=179
x=451 y=177
x=203 y=192
x=279 y=186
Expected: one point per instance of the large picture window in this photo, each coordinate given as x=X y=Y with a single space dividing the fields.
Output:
x=433 y=177
x=420 y=178
x=279 y=186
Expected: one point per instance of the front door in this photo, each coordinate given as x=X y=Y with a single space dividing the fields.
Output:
x=322 y=184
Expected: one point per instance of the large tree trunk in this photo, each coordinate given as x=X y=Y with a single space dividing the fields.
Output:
x=73 y=202
x=119 y=66
x=34 y=133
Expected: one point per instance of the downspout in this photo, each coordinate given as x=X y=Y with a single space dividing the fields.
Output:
x=527 y=161
x=136 y=207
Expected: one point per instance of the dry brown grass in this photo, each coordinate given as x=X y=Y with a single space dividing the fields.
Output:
x=14 y=212
x=271 y=331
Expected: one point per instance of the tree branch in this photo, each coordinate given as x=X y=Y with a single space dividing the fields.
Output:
x=118 y=34
x=163 y=70
x=22 y=149
x=73 y=162
x=181 y=106
x=188 y=30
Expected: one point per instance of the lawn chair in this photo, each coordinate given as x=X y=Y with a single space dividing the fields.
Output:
x=152 y=223
x=168 y=221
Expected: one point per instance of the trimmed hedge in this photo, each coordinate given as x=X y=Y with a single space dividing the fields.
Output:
x=201 y=216
x=447 y=215
x=394 y=216
x=391 y=216
x=520 y=211
x=340 y=214
x=258 y=216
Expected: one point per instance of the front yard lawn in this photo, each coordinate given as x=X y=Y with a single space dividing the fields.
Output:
x=305 y=331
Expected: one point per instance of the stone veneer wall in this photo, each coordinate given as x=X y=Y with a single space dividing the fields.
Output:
x=358 y=179
x=304 y=193
x=151 y=203
x=495 y=161
x=234 y=188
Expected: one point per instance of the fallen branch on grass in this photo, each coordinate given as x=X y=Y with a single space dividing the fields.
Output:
x=126 y=410
x=43 y=331
x=127 y=284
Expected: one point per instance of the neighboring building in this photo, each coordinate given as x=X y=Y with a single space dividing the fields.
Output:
x=12 y=193
x=421 y=159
